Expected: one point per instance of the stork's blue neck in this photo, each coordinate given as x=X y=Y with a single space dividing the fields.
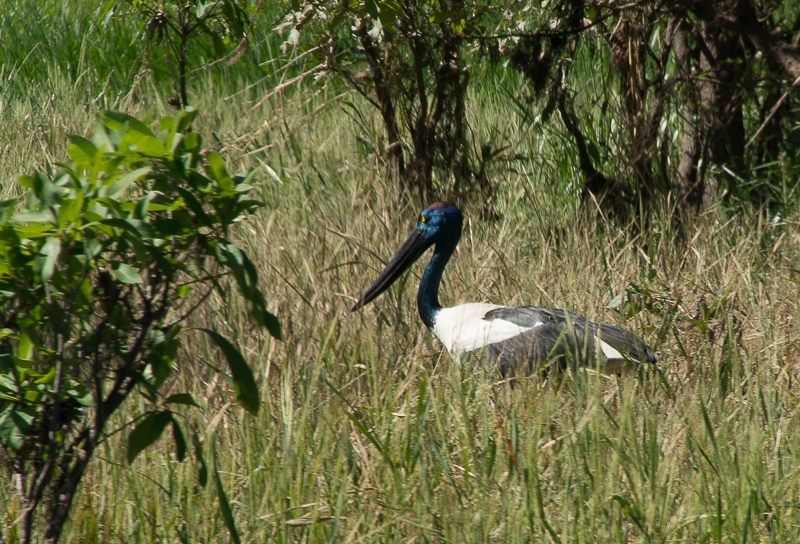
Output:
x=428 y=294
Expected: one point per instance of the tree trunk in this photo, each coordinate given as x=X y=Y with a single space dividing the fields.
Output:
x=689 y=186
x=394 y=149
x=423 y=130
x=741 y=17
x=629 y=47
x=73 y=465
x=722 y=59
x=608 y=192
x=62 y=502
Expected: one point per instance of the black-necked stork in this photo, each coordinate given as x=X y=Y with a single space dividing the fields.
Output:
x=515 y=338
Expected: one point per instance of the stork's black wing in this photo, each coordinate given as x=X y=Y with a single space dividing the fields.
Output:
x=558 y=338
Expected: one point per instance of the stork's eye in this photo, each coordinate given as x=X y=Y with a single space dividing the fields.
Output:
x=422 y=219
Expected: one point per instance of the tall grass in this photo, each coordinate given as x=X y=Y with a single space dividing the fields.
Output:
x=369 y=432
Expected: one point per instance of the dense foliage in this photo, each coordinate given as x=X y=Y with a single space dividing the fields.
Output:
x=99 y=271
x=696 y=99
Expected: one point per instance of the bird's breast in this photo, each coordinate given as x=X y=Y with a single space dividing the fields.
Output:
x=463 y=328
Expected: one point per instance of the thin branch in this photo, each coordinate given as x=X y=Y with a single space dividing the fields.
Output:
x=106 y=436
x=773 y=111
x=287 y=84
x=285 y=67
x=551 y=33
x=238 y=52
x=356 y=86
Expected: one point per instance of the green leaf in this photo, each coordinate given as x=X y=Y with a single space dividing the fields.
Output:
x=180 y=441
x=14 y=427
x=184 y=120
x=37 y=230
x=36 y=216
x=26 y=181
x=26 y=347
x=150 y=392
x=181 y=398
x=257 y=307
x=147 y=432
x=372 y=8
x=51 y=250
x=710 y=431
x=84 y=398
x=7 y=208
x=95 y=246
x=192 y=141
x=150 y=146
x=161 y=357
x=126 y=273
x=116 y=120
x=245 y=179
x=164 y=264
x=391 y=10
x=195 y=206
x=82 y=151
x=103 y=205
x=217 y=167
x=224 y=506
x=202 y=471
x=47 y=378
x=116 y=189
x=70 y=209
x=236 y=258
x=244 y=384
x=143 y=206
x=273 y=325
x=140 y=229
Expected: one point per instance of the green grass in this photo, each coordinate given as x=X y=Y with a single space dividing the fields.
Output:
x=369 y=432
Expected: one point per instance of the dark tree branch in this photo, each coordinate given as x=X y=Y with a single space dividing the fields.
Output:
x=385 y=102
x=741 y=17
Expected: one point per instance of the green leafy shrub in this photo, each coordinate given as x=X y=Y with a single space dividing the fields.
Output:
x=99 y=270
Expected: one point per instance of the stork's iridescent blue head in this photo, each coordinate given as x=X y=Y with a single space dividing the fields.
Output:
x=439 y=224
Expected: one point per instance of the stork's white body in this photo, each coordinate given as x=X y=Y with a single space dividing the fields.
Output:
x=463 y=329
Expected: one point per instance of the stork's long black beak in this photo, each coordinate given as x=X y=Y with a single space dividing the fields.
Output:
x=407 y=255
